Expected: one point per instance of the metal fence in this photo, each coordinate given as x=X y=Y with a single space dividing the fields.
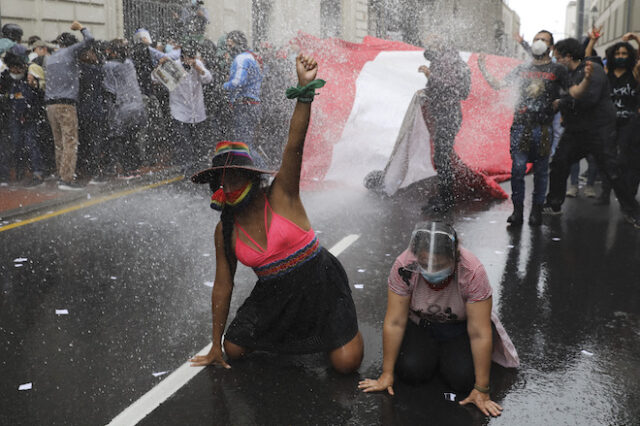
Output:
x=157 y=16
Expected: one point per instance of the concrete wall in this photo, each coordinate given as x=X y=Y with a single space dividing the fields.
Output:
x=48 y=18
x=617 y=18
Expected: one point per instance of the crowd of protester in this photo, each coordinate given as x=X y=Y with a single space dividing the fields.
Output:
x=572 y=105
x=84 y=111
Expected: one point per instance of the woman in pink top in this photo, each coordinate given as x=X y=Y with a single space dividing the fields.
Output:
x=439 y=319
x=302 y=301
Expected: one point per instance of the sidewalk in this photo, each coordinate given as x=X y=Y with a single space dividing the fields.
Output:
x=18 y=201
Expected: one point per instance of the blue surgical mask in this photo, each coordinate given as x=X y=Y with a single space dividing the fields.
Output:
x=553 y=59
x=168 y=48
x=436 y=277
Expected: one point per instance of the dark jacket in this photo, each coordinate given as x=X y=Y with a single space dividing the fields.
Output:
x=22 y=100
x=595 y=108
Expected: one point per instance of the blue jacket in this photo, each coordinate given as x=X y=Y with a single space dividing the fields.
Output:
x=245 y=78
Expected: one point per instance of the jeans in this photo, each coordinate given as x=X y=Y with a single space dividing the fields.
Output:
x=592 y=172
x=23 y=138
x=531 y=152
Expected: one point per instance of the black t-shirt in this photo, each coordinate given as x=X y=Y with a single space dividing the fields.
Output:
x=539 y=86
x=625 y=96
x=594 y=109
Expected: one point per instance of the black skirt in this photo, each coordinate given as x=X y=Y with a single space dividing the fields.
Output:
x=306 y=310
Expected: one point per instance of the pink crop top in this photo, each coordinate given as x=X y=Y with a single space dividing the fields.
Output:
x=288 y=245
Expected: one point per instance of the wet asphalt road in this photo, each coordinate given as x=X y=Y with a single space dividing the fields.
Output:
x=131 y=272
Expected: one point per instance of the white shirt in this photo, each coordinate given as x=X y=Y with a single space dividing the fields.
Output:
x=186 y=101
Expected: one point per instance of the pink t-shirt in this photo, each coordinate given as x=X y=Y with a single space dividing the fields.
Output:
x=470 y=284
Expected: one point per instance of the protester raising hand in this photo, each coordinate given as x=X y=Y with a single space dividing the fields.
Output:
x=307 y=69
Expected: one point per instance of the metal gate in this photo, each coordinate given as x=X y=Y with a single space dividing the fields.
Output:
x=157 y=16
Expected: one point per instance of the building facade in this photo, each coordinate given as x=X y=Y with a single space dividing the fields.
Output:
x=472 y=25
x=617 y=17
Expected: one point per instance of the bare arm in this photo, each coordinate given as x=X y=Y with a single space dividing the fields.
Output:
x=493 y=82
x=220 y=301
x=288 y=178
x=481 y=337
x=395 y=323
x=594 y=35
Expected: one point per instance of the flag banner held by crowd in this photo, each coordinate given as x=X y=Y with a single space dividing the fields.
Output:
x=370 y=116
x=169 y=74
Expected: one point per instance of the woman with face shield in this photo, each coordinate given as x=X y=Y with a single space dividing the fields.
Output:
x=439 y=320
x=302 y=301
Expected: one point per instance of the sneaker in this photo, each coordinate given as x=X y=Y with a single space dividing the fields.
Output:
x=632 y=218
x=98 y=180
x=36 y=180
x=548 y=209
x=70 y=186
x=572 y=191
x=590 y=191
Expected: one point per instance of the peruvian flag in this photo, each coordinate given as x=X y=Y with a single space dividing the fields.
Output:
x=369 y=116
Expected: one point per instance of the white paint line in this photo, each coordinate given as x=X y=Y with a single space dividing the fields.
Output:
x=343 y=244
x=163 y=390
x=159 y=393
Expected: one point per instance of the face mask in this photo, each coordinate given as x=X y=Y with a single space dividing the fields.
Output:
x=168 y=48
x=554 y=60
x=17 y=76
x=539 y=48
x=436 y=277
x=620 y=62
x=32 y=56
x=235 y=199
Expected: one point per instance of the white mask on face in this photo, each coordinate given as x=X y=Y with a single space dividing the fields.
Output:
x=17 y=76
x=539 y=47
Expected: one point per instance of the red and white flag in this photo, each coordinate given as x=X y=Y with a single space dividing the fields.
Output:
x=368 y=107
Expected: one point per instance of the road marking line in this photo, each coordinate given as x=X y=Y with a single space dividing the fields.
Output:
x=89 y=203
x=158 y=394
x=343 y=244
x=170 y=385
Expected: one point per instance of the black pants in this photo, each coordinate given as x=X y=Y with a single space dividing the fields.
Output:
x=624 y=136
x=424 y=353
x=189 y=143
x=446 y=129
x=575 y=145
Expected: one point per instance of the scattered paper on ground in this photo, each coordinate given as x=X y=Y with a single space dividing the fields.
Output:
x=208 y=283
x=358 y=285
x=62 y=312
x=25 y=386
x=160 y=373
x=587 y=353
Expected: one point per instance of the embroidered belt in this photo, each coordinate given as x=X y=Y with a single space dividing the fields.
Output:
x=284 y=266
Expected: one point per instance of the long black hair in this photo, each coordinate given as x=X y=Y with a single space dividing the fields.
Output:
x=611 y=55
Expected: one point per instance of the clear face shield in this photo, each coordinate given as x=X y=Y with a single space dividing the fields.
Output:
x=434 y=246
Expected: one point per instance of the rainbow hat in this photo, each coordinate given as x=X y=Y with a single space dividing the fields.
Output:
x=233 y=155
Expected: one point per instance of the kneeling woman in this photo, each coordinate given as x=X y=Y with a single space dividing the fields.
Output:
x=302 y=301
x=439 y=319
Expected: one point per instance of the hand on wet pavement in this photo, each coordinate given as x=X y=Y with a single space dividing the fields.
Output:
x=384 y=382
x=214 y=357
x=483 y=402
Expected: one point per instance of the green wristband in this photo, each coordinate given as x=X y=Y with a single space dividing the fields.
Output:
x=481 y=389
x=306 y=93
